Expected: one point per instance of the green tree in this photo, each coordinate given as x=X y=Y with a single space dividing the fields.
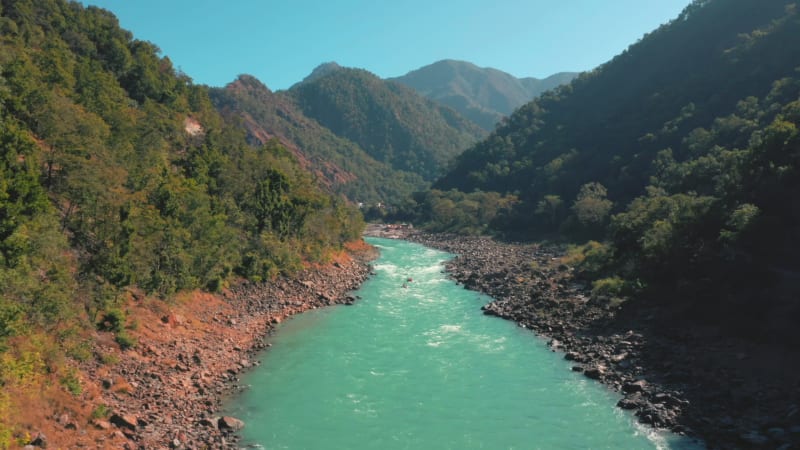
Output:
x=592 y=207
x=550 y=208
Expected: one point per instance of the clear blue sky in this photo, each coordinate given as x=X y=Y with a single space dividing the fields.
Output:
x=280 y=42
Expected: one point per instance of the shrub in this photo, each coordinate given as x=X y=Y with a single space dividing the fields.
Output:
x=109 y=359
x=101 y=411
x=613 y=288
x=590 y=259
x=5 y=427
x=112 y=320
x=125 y=340
x=72 y=382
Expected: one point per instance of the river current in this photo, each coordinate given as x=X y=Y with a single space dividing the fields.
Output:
x=415 y=365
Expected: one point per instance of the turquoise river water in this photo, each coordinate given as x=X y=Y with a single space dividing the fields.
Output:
x=419 y=367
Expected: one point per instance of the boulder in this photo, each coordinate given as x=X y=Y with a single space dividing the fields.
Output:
x=636 y=386
x=101 y=424
x=173 y=319
x=628 y=403
x=594 y=372
x=128 y=421
x=211 y=423
x=618 y=358
x=230 y=423
x=39 y=440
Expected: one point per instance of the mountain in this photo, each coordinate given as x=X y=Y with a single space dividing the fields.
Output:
x=391 y=122
x=321 y=70
x=338 y=164
x=682 y=153
x=121 y=184
x=483 y=95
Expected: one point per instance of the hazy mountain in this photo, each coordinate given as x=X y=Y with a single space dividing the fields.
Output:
x=339 y=164
x=483 y=95
x=391 y=122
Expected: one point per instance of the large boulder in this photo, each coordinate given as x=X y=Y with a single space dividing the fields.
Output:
x=230 y=423
x=595 y=372
x=128 y=421
x=636 y=386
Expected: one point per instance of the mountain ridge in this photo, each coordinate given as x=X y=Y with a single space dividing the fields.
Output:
x=391 y=122
x=483 y=94
x=338 y=163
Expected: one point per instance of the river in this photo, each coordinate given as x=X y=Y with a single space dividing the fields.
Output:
x=415 y=365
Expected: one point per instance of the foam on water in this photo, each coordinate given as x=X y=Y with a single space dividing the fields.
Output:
x=421 y=367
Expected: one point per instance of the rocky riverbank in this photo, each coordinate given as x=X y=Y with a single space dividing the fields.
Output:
x=672 y=373
x=167 y=390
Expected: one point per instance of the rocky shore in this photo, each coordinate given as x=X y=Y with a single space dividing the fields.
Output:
x=167 y=391
x=673 y=374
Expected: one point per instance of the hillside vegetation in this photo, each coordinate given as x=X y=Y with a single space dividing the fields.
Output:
x=338 y=163
x=391 y=122
x=117 y=175
x=680 y=154
x=483 y=95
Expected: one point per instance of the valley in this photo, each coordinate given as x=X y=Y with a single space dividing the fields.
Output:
x=641 y=216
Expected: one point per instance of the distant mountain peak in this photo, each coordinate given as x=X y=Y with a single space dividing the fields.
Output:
x=249 y=82
x=393 y=123
x=322 y=70
x=482 y=94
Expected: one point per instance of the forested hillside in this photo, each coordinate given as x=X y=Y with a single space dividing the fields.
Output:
x=483 y=95
x=391 y=122
x=681 y=153
x=117 y=175
x=341 y=165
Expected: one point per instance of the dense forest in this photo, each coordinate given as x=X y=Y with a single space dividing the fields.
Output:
x=680 y=155
x=116 y=175
x=391 y=122
x=339 y=164
x=483 y=95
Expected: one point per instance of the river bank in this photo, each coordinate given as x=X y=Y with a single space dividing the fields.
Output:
x=673 y=374
x=168 y=389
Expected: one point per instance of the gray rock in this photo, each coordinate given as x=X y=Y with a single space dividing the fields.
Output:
x=594 y=372
x=628 y=403
x=636 y=386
